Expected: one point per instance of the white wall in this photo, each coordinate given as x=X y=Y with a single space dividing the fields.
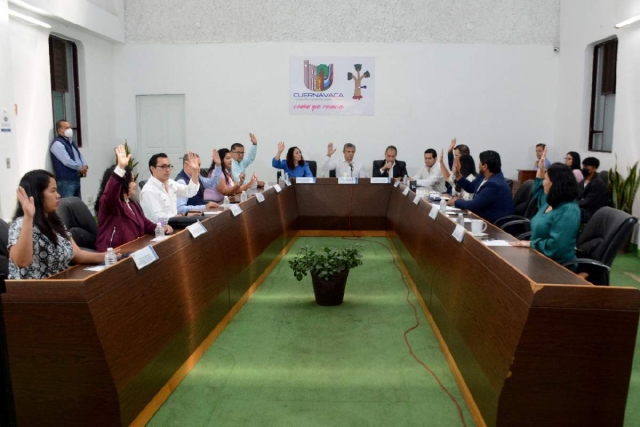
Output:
x=499 y=97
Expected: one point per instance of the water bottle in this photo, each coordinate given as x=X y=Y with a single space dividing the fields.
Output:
x=159 y=231
x=110 y=257
x=443 y=205
x=243 y=197
x=405 y=180
x=460 y=220
x=226 y=203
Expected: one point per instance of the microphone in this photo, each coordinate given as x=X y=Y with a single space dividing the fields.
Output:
x=351 y=166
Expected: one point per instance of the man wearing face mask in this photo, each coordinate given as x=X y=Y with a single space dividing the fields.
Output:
x=68 y=163
x=593 y=190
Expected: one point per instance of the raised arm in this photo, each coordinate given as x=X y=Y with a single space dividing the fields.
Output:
x=21 y=253
x=443 y=168
x=280 y=150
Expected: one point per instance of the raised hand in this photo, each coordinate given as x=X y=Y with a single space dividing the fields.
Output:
x=280 y=147
x=543 y=159
x=442 y=157
x=452 y=144
x=216 y=157
x=122 y=158
x=253 y=139
x=27 y=203
x=254 y=180
x=330 y=149
x=242 y=177
x=192 y=161
x=455 y=167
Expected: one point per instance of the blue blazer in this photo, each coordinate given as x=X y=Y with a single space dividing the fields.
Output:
x=491 y=201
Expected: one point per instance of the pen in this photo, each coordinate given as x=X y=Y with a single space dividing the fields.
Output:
x=111 y=241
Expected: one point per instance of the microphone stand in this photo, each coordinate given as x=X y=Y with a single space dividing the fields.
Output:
x=7 y=410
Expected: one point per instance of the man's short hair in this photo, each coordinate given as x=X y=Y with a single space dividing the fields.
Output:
x=492 y=160
x=431 y=151
x=153 y=161
x=185 y=158
x=541 y=145
x=59 y=124
x=391 y=147
x=348 y=145
x=236 y=145
x=462 y=149
x=591 y=161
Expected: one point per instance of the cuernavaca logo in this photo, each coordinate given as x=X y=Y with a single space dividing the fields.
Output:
x=357 y=79
x=317 y=78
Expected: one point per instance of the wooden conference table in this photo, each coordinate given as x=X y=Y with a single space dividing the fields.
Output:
x=535 y=344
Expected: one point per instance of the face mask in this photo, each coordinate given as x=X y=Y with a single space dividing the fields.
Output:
x=68 y=133
x=585 y=172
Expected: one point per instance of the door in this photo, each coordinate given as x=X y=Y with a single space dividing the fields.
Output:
x=161 y=129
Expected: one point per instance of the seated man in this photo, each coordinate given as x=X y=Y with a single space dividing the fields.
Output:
x=239 y=163
x=389 y=167
x=346 y=168
x=593 y=191
x=539 y=150
x=158 y=198
x=197 y=203
x=429 y=175
x=492 y=195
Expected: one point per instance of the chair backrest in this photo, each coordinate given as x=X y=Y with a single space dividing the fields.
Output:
x=141 y=184
x=605 y=233
x=79 y=221
x=4 y=251
x=523 y=197
x=313 y=166
x=332 y=173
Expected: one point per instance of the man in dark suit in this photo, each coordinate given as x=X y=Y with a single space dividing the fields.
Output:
x=389 y=167
x=593 y=190
x=491 y=193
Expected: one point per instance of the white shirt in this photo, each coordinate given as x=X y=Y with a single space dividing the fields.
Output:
x=343 y=167
x=462 y=193
x=156 y=202
x=432 y=178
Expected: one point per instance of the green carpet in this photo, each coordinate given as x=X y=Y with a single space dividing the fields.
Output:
x=285 y=361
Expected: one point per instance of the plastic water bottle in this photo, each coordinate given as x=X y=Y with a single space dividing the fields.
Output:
x=243 y=197
x=110 y=257
x=405 y=180
x=443 y=205
x=159 y=231
x=226 y=203
x=460 y=220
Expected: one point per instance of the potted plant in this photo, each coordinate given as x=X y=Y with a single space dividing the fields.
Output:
x=329 y=269
x=624 y=190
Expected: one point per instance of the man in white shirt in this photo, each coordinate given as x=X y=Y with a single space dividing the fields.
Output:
x=429 y=175
x=346 y=168
x=239 y=163
x=158 y=198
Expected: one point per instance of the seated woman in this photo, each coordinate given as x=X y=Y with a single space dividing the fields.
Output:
x=120 y=219
x=555 y=227
x=467 y=168
x=572 y=159
x=294 y=166
x=226 y=186
x=39 y=244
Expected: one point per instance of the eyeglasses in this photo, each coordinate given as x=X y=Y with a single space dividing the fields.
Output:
x=165 y=167
x=239 y=152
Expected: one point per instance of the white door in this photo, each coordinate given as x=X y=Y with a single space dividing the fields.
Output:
x=161 y=129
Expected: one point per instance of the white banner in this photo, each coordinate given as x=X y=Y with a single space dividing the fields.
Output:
x=332 y=86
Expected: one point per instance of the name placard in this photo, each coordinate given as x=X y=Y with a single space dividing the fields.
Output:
x=305 y=180
x=144 y=257
x=287 y=182
x=380 y=180
x=405 y=191
x=277 y=188
x=235 y=210
x=348 y=180
x=260 y=197
x=433 y=213
x=197 y=229
x=396 y=184
x=416 y=200
x=459 y=232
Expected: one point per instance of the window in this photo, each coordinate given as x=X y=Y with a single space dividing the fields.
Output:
x=603 y=96
x=65 y=94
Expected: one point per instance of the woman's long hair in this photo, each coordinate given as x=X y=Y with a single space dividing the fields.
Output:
x=575 y=163
x=291 y=164
x=564 y=187
x=227 y=174
x=35 y=183
x=467 y=167
x=124 y=188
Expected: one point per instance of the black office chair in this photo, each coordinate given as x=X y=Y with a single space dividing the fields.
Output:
x=78 y=219
x=313 y=166
x=4 y=251
x=332 y=173
x=519 y=224
x=600 y=241
x=141 y=184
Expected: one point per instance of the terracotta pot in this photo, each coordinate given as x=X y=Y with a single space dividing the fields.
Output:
x=330 y=291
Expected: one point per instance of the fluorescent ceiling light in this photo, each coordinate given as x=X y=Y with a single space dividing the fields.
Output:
x=628 y=22
x=28 y=18
x=27 y=6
